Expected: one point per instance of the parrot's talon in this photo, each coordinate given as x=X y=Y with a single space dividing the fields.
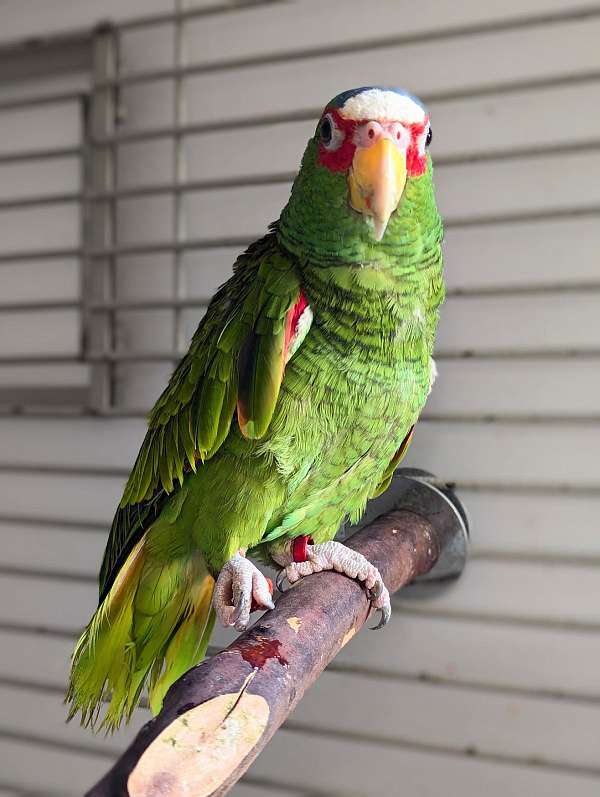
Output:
x=386 y=613
x=280 y=580
x=376 y=591
x=240 y=587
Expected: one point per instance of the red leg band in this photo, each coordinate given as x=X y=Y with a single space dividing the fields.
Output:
x=299 y=548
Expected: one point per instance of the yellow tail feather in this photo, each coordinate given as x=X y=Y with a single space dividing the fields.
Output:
x=154 y=625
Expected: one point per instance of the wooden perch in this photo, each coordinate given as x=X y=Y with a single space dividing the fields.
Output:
x=219 y=716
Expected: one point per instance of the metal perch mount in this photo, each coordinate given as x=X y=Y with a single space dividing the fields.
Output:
x=219 y=716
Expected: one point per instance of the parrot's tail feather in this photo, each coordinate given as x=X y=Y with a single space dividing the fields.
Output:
x=153 y=626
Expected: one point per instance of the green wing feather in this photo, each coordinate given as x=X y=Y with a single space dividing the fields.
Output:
x=236 y=358
x=393 y=464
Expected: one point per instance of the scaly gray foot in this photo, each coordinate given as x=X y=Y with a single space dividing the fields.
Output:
x=237 y=584
x=336 y=556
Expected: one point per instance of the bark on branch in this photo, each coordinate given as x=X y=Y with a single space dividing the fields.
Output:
x=219 y=716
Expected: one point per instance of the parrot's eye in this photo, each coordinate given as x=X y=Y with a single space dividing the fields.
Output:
x=326 y=131
x=331 y=137
x=429 y=138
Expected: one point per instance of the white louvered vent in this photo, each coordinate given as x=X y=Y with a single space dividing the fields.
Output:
x=43 y=97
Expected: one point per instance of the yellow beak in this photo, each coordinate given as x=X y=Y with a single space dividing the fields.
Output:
x=376 y=181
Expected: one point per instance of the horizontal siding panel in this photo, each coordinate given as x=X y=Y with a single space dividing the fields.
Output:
x=519 y=727
x=56 y=772
x=474 y=652
x=133 y=160
x=138 y=385
x=544 y=453
x=259 y=32
x=24 y=20
x=39 y=178
x=66 y=83
x=519 y=185
x=539 y=592
x=48 y=602
x=97 y=442
x=522 y=254
x=206 y=269
x=35 y=658
x=564 y=593
x=67 y=375
x=252 y=152
x=40 y=333
x=36 y=281
x=149 y=47
x=519 y=119
x=149 y=105
x=58 y=497
x=542 y=525
x=147 y=219
x=52 y=227
x=43 y=127
x=250 y=210
x=148 y=276
x=351 y=766
x=136 y=329
x=48 y=548
x=25 y=712
x=520 y=323
x=517 y=387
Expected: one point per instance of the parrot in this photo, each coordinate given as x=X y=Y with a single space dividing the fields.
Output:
x=293 y=406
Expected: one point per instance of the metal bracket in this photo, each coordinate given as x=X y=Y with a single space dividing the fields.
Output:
x=420 y=492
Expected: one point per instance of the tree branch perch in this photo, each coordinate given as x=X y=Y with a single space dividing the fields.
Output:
x=219 y=716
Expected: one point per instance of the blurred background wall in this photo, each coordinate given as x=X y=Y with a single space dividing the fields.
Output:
x=135 y=162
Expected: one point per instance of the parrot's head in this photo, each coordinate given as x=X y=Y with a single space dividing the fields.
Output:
x=365 y=177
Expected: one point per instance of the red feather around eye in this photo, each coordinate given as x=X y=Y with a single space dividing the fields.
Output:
x=416 y=163
x=340 y=159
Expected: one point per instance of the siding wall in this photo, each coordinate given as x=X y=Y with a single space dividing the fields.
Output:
x=492 y=686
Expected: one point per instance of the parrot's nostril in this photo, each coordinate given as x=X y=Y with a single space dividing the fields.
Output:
x=371 y=133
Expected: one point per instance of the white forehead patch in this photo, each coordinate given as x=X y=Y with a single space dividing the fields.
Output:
x=379 y=104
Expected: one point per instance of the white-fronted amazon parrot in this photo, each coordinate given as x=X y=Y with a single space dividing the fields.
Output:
x=292 y=407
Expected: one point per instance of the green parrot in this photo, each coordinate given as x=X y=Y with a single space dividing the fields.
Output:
x=293 y=406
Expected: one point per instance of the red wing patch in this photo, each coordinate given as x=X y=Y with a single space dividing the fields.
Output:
x=292 y=322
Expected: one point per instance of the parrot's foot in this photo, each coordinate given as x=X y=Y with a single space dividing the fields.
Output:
x=335 y=556
x=240 y=588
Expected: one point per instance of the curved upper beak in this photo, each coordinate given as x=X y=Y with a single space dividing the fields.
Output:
x=376 y=181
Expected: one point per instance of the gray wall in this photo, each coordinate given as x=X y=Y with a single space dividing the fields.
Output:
x=490 y=687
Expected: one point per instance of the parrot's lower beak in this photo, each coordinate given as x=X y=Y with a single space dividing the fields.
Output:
x=376 y=180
